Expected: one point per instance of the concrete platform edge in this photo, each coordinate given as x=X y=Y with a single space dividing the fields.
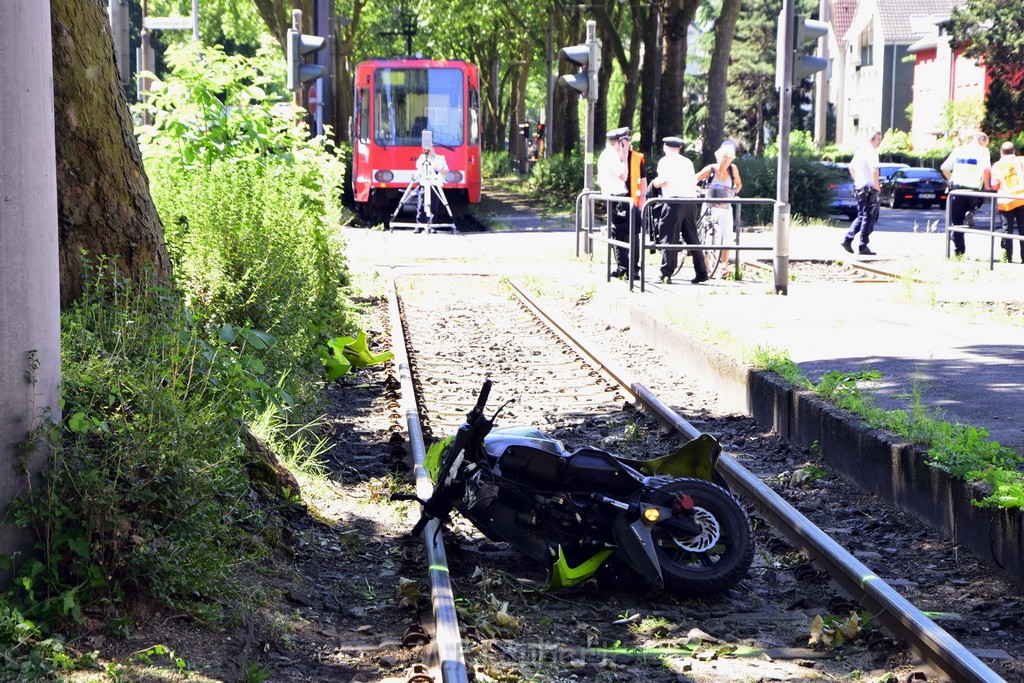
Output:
x=880 y=463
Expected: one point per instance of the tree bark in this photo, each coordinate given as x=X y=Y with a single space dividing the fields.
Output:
x=104 y=206
x=678 y=16
x=718 y=79
x=277 y=15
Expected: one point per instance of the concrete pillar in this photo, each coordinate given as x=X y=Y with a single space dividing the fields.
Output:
x=29 y=280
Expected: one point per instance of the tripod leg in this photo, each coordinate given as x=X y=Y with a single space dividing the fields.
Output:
x=401 y=202
x=444 y=200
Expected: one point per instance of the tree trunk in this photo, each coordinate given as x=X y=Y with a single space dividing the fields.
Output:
x=718 y=79
x=277 y=15
x=650 y=80
x=104 y=206
x=678 y=16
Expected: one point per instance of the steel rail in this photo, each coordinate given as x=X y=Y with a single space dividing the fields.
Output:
x=447 y=640
x=886 y=605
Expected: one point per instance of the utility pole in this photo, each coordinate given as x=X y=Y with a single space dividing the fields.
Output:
x=30 y=284
x=120 y=24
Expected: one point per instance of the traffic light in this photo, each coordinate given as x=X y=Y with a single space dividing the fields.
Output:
x=805 y=65
x=299 y=72
x=524 y=130
x=588 y=58
x=540 y=131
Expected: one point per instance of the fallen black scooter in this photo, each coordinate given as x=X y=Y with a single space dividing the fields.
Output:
x=589 y=512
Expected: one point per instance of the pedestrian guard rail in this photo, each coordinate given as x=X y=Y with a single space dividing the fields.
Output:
x=992 y=232
x=641 y=239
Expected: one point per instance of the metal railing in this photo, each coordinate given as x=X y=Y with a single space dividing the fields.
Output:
x=638 y=238
x=992 y=233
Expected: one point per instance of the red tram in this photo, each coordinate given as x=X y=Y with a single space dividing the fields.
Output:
x=395 y=101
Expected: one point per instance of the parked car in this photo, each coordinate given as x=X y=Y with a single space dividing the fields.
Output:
x=914 y=186
x=843 y=199
x=885 y=170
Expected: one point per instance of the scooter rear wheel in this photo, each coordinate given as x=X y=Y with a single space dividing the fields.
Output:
x=719 y=556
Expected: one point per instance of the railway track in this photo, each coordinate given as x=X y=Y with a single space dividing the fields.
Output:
x=457 y=336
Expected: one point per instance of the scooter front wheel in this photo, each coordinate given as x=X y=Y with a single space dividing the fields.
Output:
x=717 y=557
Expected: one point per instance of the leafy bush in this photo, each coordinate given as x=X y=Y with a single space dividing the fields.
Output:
x=147 y=488
x=558 y=177
x=496 y=164
x=809 y=193
x=251 y=247
x=249 y=204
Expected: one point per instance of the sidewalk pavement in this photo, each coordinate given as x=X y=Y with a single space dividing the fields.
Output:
x=938 y=337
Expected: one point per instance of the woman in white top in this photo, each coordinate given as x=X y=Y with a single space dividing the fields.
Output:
x=725 y=182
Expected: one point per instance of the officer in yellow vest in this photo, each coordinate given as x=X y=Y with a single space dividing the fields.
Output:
x=1007 y=179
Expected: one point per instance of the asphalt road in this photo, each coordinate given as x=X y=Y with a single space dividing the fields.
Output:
x=905 y=220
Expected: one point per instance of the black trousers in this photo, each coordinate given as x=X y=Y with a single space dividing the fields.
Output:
x=669 y=232
x=620 y=232
x=688 y=229
x=958 y=207
x=1013 y=221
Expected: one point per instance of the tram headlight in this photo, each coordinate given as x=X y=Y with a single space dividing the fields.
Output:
x=383 y=176
x=453 y=177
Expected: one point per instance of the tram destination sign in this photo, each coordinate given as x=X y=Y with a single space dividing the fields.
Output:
x=167 y=23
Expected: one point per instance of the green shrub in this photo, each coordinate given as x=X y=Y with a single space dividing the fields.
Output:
x=147 y=489
x=496 y=164
x=809 y=193
x=558 y=178
x=253 y=245
x=249 y=205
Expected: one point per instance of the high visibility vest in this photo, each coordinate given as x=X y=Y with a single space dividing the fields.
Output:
x=636 y=163
x=1009 y=171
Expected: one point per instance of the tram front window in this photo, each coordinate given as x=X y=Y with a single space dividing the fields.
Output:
x=409 y=101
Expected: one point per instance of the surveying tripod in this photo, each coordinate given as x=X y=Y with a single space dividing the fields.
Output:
x=429 y=190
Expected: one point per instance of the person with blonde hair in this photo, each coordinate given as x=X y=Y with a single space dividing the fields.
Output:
x=724 y=182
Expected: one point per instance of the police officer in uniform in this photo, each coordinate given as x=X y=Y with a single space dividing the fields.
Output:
x=613 y=177
x=676 y=178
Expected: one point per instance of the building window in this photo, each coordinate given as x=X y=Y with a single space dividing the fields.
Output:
x=867 y=49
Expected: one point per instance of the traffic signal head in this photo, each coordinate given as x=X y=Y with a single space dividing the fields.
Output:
x=806 y=30
x=587 y=58
x=299 y=72
x=524 y=130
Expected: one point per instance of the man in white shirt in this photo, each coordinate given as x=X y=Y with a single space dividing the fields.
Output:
x=612 y=173
x=966 y=167
x=864 y=171
x=676 y=178
x=431 y=168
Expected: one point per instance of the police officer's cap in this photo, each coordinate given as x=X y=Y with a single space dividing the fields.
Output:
x=619 y=134
x=673 y=141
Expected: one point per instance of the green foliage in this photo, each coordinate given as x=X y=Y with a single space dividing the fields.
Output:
x=146 y=489
x=895 y=142
x=248 y=205
x=964 y=452
x=989 y=30
x=801 y=144
x=558 y=177
x=252 y=245
x=496 y=164
x=27 y=655
x=215 y=106
x=809 y=193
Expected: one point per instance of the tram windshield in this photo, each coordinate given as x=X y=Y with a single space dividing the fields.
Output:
x=409 y=101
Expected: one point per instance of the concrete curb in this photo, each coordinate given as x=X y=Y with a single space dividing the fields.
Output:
x=879 y=463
